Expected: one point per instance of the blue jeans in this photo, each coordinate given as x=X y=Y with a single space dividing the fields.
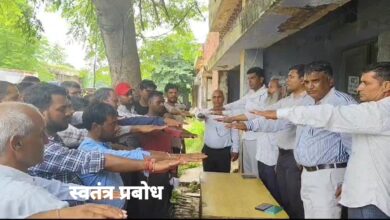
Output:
x=366 y=212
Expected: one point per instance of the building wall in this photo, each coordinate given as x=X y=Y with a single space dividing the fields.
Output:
x=233 y=81
x=211 y=45
x=328 y=38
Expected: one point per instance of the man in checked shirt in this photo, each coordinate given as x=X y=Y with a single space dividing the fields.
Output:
x=66 y=164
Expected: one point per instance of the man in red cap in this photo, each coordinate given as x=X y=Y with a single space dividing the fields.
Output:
x=125 y=95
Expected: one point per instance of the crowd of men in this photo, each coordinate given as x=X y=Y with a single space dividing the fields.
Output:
x=53 y=138
x=316 y=149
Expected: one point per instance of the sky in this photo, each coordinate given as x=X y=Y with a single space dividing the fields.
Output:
x=56 y=28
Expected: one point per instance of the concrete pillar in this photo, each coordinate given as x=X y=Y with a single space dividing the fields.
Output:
x=215 y=82
x=223 y=83
x=384 y=47
x=203 y=92
x=248 y=58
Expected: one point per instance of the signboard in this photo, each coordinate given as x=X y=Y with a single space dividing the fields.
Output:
x=353 y=83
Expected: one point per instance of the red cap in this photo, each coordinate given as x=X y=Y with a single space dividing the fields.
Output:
x=122 y=89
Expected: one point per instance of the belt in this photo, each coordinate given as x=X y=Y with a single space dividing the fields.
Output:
x=283 y=151
x=326 y=166
x=218 y=149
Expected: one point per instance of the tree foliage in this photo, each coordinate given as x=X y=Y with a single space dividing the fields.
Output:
x=170 y=53
x=22 y=45
x=20 y=15
x=172 y=15
x=170 y=59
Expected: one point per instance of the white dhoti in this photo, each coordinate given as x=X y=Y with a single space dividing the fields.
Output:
x=249 y=157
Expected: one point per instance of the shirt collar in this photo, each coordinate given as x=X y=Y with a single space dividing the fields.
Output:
x=262 y=89
x=326 y=98
x=55 y=139
x=104 y=144
x=13 y=173
x=300 y=95
x=386 y=99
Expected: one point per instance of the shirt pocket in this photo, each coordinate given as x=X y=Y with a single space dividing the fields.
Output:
x=221 y=130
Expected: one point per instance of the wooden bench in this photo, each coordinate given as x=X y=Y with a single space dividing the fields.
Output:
x=229 y=195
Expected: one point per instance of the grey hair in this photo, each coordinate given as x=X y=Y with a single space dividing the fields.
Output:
x=14 y=122
x=282 y=81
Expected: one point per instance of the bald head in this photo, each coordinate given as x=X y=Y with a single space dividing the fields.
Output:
x=218 y=98
x=22 y=135
x=19 y=108
x=218 y=92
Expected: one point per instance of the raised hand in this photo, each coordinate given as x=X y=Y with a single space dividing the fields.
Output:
x=164 y=166
x=193 y=157
x=266 y=114
x=216 y=112
x=172 y=123
x=225 y=119
x=148 y=128
x=188 y=135
x=238 y=126
x=187 y=114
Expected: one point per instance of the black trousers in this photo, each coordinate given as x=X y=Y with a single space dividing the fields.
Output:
x=268 y=177
x=218 y=160
x=153 y=207
x=289 y=181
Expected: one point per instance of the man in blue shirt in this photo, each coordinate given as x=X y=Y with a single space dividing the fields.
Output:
x=100 y=119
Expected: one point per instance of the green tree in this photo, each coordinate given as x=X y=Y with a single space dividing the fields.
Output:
x=21 y=43
x=55 y=55
x=20 y=15
x=175 y=70
x=117 y=24
x=171 y=59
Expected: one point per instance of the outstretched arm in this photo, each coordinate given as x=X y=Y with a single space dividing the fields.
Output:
x=367 y=118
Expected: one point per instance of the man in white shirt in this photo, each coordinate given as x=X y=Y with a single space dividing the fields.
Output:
x=22 y=140
x=220 y=144
x=322 y=154
x=287 y=172
x=124 y=91
x=254 y=99
x=366 y=187
x=267 y=148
